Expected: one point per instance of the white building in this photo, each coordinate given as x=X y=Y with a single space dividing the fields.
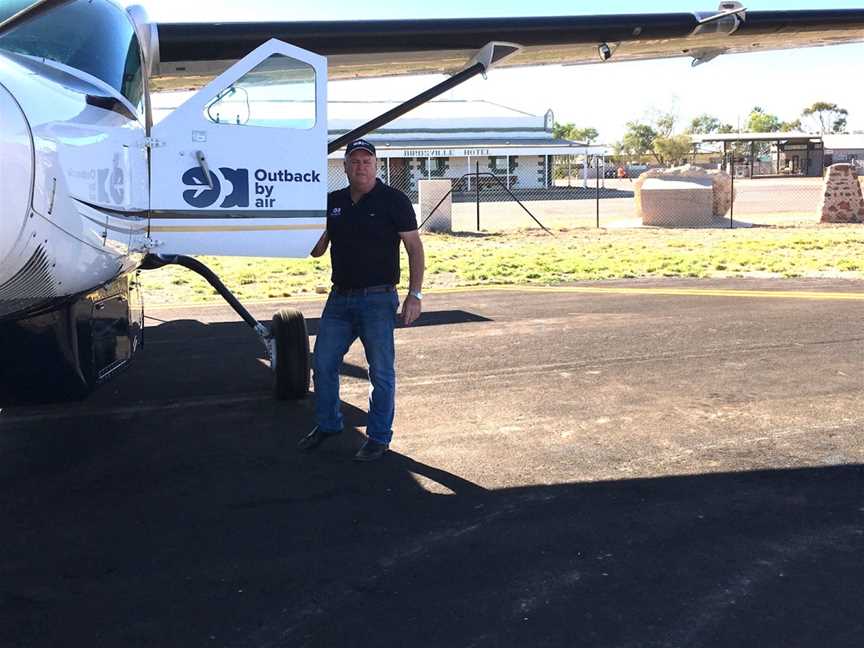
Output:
x=845 y=148
x=450 y=138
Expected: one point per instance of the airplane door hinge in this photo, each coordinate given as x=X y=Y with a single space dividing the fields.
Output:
x=152 y=142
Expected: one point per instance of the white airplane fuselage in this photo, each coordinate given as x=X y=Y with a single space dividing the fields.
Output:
x=89 y=188
x=74 y=182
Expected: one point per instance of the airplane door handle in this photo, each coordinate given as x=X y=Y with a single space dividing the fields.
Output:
x=202 y=162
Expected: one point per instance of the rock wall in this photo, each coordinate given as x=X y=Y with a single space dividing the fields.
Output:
x=842 y=200
x=720 y=181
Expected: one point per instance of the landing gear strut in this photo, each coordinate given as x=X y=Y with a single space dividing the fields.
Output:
x=286 y=339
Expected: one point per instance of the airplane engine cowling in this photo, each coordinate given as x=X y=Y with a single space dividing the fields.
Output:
x=16 y=180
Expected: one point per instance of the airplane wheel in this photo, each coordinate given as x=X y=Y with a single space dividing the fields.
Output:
x=291 y=376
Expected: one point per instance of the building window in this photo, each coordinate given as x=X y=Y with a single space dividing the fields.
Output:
x=498 y=164
x=439 y=167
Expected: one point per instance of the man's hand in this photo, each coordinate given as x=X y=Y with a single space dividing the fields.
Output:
x=411 y=309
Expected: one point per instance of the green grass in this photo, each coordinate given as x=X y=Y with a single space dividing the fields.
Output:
x=535 y=258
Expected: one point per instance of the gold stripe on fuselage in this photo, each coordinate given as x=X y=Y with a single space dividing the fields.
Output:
x=235 y=228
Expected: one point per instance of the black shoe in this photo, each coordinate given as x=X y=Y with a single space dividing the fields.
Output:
x=315 y=438
x=371 y=450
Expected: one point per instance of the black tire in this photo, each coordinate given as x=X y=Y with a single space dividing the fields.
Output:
x=291 y=343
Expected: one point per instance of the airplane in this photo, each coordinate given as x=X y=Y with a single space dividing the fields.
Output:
x=92 y=192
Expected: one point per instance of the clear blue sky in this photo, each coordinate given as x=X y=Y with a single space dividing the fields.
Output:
x=601 y=96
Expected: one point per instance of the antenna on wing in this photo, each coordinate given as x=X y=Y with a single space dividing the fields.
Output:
x=725 y=22
x=728 y=18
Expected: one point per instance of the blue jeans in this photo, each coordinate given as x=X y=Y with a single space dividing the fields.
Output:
x=372 y=318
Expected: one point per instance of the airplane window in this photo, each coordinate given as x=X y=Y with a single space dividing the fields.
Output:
x=9 y=8
x=278 y=93
x=93 y=36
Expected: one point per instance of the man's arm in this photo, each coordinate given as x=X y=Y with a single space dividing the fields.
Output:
x=321 y=246
x=412 y=307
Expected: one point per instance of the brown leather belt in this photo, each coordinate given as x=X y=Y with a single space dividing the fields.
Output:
x=363 y=291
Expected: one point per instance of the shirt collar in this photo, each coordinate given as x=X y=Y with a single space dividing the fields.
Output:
x=376 y=188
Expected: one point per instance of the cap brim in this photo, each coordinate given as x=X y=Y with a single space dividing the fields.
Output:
x=360 y=148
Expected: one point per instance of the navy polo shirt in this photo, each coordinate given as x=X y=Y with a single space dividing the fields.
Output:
x=364 y=238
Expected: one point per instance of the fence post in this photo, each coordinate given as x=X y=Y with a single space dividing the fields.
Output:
x=597 y=167
x=477 y=193
x=732 y=196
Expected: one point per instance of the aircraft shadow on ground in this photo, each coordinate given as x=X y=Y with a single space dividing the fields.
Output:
x=182 y=533
x=189 y=359
x=202 y=524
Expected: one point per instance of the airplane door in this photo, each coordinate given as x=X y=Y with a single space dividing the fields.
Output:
x=240 y=168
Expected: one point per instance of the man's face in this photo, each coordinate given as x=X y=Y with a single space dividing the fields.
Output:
x=361 y=169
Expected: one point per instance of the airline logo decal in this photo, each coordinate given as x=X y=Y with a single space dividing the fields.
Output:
x=201 y=195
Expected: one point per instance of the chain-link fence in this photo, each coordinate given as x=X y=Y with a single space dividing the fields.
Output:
x=508 y=193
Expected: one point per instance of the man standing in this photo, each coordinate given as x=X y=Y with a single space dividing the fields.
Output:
x=365 y=223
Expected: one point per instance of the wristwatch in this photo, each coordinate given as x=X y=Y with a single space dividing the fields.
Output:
x=417 y=294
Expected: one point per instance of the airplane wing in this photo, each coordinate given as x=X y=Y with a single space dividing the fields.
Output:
x=189 y=54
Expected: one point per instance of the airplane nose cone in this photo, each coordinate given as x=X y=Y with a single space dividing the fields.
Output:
x=16 y=176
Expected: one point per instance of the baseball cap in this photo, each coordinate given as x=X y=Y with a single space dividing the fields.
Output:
x=359 y=145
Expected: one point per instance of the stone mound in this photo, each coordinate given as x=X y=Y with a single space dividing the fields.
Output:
x=842 y=200
x=682 y=179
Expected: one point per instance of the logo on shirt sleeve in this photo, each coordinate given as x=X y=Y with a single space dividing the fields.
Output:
x=336 y=211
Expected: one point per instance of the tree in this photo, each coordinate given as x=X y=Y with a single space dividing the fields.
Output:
x=664 y=122
x=761 y=122
x=586 y=135
x=572 y=132
x=561 y=131
x=703 y=125
x=706 y=124
x=638 y=140
x=826 y=117
x=655 y=139
x=672 y=149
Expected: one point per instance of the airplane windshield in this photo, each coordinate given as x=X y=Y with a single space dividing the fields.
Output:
x=9 y=8
x=93 y=36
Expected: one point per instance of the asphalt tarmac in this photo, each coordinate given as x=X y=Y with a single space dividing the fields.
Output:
x=633 y=464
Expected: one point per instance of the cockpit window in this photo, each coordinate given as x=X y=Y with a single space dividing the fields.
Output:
x=93 y=36
x=9 y=8
x=279 y=92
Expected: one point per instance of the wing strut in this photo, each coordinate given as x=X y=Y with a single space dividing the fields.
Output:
x=486 y=58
